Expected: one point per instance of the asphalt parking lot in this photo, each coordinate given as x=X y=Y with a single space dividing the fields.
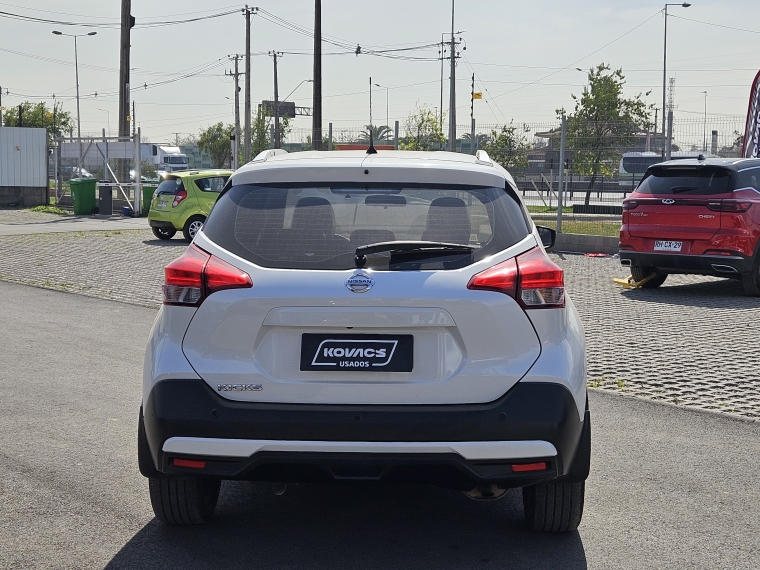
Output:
x=670 y=487
x=691 y=342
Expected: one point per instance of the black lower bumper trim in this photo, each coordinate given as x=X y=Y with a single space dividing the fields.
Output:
x=530 y=411
x=161 y=225
x=719 y=265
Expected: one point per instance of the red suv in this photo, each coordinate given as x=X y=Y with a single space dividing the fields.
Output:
x=698 y=216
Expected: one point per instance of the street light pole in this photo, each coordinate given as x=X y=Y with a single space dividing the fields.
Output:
x=704 y=128
x=664 y=69
x=76 y=68
x=108 y=114
x=387 y=119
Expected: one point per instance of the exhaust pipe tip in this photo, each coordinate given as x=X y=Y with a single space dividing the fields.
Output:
x=626 y=262
x=724 y=269
x=486 y=492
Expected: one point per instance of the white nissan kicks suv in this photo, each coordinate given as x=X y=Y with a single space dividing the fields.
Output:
x=388 y=317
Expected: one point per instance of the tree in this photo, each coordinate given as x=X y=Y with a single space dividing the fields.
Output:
x=55 y=120
x=379 y=133
x=422 y=130
x=508 y=146
x=603 y=123
x=215 y=141
x=262 y=131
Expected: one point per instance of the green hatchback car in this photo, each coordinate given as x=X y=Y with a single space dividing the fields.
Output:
x=183 y=200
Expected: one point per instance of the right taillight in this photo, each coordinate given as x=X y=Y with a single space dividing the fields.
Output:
x=196 y=274
x=534 y=280
x=178 y=197
x=729 y=206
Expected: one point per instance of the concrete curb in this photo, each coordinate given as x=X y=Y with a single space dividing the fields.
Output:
x=581 y=243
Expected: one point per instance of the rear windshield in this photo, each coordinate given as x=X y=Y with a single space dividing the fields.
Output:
x=170 y=186
x=315 y=227
x=686 y=181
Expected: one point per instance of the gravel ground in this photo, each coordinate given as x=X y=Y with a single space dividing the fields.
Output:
x=14 y=215
x=691 y=342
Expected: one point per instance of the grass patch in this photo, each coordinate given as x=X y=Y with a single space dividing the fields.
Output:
x=49 y=210
x=549 y=209
x=609 y=229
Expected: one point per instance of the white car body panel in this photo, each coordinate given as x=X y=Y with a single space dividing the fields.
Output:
x=164 y=359
x=470 y=450
x=230 y=340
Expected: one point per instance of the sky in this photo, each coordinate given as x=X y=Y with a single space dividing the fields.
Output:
x=524 y=56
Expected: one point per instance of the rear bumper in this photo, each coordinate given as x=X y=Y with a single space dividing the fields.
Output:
x=161 y=225
x=721 y=265
x=456 y=446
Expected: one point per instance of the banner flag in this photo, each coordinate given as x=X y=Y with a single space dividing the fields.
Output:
x=751 y=145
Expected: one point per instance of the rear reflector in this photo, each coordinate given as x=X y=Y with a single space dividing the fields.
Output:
x=196 y=274
x=531 y=278
x=525 y=467
x=190 y=463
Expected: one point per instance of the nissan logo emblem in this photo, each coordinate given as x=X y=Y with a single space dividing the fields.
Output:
x=359 y=282
x=668 y=201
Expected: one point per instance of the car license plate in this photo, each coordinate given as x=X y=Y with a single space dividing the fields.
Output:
x=161 y=204
x=662 y=245
x=357 y=353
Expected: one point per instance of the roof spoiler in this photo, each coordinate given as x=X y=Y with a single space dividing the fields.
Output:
x=265 y=154
x=482 y=156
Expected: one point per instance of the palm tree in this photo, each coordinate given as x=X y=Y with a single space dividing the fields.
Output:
x=381 y=132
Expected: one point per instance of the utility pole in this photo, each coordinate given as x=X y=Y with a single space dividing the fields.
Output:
x=274 y=55
x=133 y=121
x=671 y=106
x=247 y=137
x=452 y=90
x=176 y=138
x=1 y=106
x=316 y=119
x=236 y=75
x=472 y=117
x=127 y=22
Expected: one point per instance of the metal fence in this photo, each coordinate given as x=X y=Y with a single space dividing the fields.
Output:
x=603 y=162
x=108 y=160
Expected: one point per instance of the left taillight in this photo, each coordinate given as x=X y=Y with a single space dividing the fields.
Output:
x=196 y=274
x=534 y=280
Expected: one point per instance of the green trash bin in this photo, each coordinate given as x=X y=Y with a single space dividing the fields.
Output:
x=83 y=195
x=147 y=198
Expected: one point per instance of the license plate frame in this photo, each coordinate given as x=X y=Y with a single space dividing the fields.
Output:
x=357 y=352
x=668 y=245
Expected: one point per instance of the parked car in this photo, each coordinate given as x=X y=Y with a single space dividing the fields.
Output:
x=345 y=317
x=69 y=172
x=697 y=216
x=183 y=200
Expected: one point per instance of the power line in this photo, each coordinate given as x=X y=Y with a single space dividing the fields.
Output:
x=584 y=57
x=112 y=25
x=716 y=25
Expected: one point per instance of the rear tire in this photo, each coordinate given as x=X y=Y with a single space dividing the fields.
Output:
x=638 y=273
x=192 y=227
x=554 y=507
x=161 y=233
x=183 y=500
x=751 y=280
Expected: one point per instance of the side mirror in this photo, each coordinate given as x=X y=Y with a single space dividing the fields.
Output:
x=548 y=236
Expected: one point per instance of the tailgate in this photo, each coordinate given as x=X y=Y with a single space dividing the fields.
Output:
x=465 y=346
x=673 y=218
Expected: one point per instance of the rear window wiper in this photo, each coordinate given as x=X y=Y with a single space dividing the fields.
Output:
x=677 y=189
x=408 y=246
